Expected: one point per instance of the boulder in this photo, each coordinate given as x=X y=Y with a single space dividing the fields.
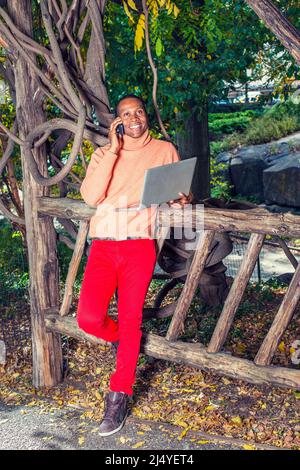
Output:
x=246 y=165
x=282 y=181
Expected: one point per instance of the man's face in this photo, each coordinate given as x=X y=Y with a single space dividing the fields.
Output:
x=134 y=117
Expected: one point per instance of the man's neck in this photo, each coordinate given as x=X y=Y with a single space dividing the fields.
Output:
x=136 y=143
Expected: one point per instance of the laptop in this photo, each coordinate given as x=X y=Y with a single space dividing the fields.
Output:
x=163 y=183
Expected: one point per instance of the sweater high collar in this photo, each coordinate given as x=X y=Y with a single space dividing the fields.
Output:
x=131 y=143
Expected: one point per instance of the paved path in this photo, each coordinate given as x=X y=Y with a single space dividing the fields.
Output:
x=24 y=428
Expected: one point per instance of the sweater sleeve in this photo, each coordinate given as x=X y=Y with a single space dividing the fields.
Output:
x=174 y=155
x=98 y=176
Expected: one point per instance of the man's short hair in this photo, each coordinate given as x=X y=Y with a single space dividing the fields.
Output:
x=130 y=95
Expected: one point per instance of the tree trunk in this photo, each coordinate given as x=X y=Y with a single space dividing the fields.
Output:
x=287 y=34
x=193 y=141
x=41 y=235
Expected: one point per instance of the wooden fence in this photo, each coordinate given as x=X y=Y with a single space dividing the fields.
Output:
x=258 y=222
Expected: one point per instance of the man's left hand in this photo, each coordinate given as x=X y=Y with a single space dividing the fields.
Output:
x=184 y=199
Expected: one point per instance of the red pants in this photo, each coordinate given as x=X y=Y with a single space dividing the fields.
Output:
x=128 y=265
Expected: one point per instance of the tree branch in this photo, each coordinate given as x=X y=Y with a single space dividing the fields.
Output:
x=154 y=71
x=33 y=167
x=285 y=31
x=10 y=216
x=63 y=73
x=9 y=148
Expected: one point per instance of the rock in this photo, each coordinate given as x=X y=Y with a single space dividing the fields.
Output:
x=282 y=181
x=280 y=209
x=285 y=278
x=248 y=165
x=2 y=353
x=245 y=167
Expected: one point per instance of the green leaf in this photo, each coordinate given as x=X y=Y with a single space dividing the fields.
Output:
x=158 y=47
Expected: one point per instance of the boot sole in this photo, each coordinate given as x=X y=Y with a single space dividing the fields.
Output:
x=104 y=434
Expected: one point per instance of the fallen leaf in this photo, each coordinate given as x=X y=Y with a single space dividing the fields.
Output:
x=138 y=444
x=249 y=447
x=236 y=420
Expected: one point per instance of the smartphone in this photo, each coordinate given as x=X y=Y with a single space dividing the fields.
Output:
x=120 y=130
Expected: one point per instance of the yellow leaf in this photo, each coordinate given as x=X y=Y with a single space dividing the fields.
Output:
x=182 y=423
x=81 y=440
x=139 y=33
x=170 y=8
x=168 y=79
x=122 y=440
x=237 y=420
x=176 y=11
x=176 y=110
x=202 y=442
x=263 y=406
x=127 y=11
x=138 y=444
x=132 y=5
x=209 y=57
x=249 y=447
x=97 y=394
x=281 y=347
x=183 y=434
x=225 y=381
x=240 y=347
x=209 y=407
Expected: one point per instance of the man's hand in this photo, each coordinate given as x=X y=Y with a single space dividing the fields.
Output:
x=184 y=199
x=116 y=141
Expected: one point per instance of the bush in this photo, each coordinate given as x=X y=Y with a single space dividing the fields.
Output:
x=276 y=122
x=227 y=123
x=14 y=279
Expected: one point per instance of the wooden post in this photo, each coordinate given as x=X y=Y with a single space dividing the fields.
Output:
x=41 y=235
x=287 y=251
x=190 y=286
x=236 y=293
x=73 y=267
x=281 y=321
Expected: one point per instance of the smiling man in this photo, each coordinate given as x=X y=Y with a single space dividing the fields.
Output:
x=123 y=253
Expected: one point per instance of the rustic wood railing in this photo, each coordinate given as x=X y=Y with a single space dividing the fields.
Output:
x=258 y=222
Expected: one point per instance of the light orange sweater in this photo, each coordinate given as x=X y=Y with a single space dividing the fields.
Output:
x=113 y=181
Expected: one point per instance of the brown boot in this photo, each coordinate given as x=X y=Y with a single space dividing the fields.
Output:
x=115 y=413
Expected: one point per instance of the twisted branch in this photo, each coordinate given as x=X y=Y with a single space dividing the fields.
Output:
x=10 y=216
x=33 y=167
x=9 y=148
x=62 y=70
x=35 y=68
x=154 y=71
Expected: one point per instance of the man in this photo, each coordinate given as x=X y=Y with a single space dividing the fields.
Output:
x=123 y=250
